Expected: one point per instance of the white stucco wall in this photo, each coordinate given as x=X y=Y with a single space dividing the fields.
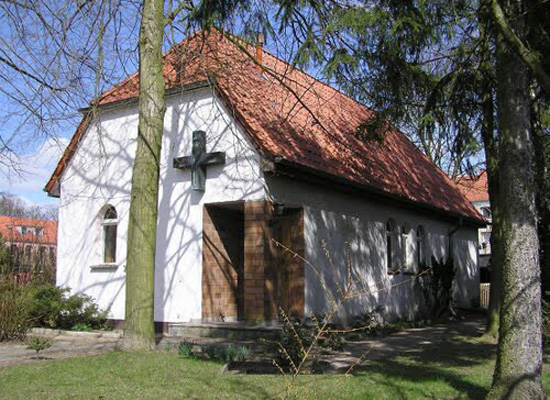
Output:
x=338 y=221
x=100 y=173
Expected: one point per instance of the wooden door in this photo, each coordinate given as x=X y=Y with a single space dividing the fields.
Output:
x=291 y=264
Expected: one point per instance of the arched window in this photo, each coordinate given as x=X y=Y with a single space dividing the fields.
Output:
x=42 y=255
x=420 y=245
x=109 y=223
x=404 y=253
x=391 y=245
x=52 y=255
x=28 y=253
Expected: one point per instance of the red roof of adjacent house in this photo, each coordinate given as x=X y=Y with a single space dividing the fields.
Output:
x=289 y=114
x=10 y=233
x=474 y=188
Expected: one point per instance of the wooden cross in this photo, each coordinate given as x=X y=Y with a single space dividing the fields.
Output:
x=198 y=161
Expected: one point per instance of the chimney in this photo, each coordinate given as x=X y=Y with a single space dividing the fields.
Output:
x=259 y=51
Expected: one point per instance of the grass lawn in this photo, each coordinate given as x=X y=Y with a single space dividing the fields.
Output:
x=460 y=369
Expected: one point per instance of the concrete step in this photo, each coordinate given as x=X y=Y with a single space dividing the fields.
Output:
x=230 y=330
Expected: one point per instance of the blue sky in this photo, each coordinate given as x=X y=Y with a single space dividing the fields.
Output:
x=37 y=168
x=39 y=153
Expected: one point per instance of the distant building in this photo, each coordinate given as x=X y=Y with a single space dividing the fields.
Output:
x=476 y=190
x=32 y=246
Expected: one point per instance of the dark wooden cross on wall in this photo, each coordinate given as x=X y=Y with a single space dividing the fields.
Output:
x=199 y=160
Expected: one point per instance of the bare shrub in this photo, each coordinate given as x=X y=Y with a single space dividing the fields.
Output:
x=300 y=340
x=15 y=320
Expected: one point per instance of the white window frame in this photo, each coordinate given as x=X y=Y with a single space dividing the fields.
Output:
x=405 y=236
x=392 y=246
x=420 y=246
x=104 y=224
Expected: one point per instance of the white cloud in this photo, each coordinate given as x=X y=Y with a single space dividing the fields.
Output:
x=37 y=169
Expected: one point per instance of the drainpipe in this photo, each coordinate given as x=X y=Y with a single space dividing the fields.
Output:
x=459 y=225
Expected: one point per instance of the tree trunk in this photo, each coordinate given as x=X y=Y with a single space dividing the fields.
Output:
x=491 y=156
x=519 y=357
x=139 y=331
x=493 y=313
x=542 y=156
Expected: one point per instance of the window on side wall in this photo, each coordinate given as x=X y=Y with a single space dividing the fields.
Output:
x=391 y=246
x=420 y=246
x=109 y=227
x=404 y=253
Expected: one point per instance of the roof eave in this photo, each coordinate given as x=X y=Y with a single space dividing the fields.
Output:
x=134 y=99
x=283 y=166
x=52 y=186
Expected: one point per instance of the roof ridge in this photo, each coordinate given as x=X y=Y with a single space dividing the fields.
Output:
x=279 y=126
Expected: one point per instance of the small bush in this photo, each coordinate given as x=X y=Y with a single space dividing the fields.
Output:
x=229 y=353
x=212 y=352
x=185 y=349
x=295 y=338
x=437 y=286
x=331 y=341
x=370 y=322
x=51 y=307
x=15 y=320
x=546 y=319
x=243 y=353
x=39 y=343
x=82 y=327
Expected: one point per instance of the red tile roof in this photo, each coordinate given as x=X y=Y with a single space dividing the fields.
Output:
x=290 y=114
x=474 y=188
x=9 y=233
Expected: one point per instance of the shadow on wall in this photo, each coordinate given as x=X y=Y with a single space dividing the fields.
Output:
x=355 y=251
x=466 y=289
x=100 y=173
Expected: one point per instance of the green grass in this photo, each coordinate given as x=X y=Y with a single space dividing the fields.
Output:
x=460 y=369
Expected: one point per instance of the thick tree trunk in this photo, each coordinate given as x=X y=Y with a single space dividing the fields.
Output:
x=519 y=357
x=493 y=313
x=139 y=331
x=542 y=156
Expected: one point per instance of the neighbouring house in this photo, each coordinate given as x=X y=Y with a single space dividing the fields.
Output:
x=31 y=247
x=253 y=158
x=475 y=189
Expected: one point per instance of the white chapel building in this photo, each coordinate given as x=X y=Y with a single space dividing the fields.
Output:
x=268 y=198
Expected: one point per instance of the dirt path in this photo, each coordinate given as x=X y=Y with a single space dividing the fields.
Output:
x=14 y=353
x=437 y=338
x=405 y=342
x=418 y=339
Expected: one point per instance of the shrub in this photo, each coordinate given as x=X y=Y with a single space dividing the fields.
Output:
x=39 y=343
x=295 y=338
x=229 y=353
x=331 y=340
x=370 y=322
x=185 y=349
x=211 y=352
x=51 y=307
x=546 y=319
x=81 y=327
x=243 y=353
x=15 y=320
x=437 y=286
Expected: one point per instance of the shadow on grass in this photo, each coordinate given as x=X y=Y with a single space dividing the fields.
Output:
x=464 y=362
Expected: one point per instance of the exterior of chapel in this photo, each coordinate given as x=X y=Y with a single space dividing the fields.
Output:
x=268 y=200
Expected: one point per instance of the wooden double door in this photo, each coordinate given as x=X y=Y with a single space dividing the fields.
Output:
x=289 y=261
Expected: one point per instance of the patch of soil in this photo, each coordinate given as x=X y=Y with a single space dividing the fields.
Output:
x=250 y=367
